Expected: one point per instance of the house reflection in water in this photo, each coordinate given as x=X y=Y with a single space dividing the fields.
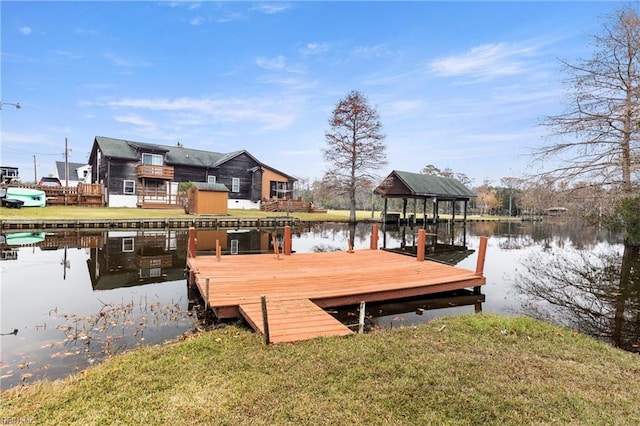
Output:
x=139 y=257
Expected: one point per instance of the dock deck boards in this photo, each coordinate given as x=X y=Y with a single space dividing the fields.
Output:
x=329 y=279
x=293 y=320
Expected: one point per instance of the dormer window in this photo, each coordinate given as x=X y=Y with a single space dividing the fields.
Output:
x=152 y=159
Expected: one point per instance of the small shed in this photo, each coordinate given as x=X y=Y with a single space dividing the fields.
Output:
x=418 y=186
x=207 y=198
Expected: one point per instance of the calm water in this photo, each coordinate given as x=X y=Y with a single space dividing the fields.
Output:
x=71 y=299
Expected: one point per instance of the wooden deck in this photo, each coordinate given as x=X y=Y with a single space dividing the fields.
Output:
x=298 y=285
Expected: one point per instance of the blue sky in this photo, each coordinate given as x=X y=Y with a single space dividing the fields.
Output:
x=462 y=85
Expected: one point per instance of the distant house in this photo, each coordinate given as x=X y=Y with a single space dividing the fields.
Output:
x=8 y=174
x=138 y=174
x=78 y=173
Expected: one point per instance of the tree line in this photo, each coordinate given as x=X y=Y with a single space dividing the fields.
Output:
x=591 y=158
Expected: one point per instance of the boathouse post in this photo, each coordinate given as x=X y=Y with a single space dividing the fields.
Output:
x=218 y=251
x=421 y=243
x=265 y=319
x=287 y=240
x=374 y=237
x=191 y=248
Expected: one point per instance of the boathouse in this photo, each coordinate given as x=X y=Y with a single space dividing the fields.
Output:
x=207 y=198
x=432 y=190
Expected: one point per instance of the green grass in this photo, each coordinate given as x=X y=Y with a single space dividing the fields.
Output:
x=467 y=370
x=75 y=212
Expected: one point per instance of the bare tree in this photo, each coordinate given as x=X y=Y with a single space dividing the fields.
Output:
x=430 y=169
x=599 y=132
x=355 y=146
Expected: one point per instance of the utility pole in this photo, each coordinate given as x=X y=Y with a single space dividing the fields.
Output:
x=66 y=163
x=35 y=171
x=66 y=170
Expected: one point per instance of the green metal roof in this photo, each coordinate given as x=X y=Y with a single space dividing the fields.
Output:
x=174 y=155
x=120 y=148
x=214 y=187
x=405 y=184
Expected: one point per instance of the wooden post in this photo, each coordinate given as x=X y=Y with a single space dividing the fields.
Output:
x=287 y=240
x=191 y=248
x=218 y=251
x=374 y=237
x=206 y=295
x=421 y=242
x=361 y=321
x=265 y=319
x=482 y=251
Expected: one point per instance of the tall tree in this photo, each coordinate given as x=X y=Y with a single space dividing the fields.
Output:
x=430 y=169
x=599 y=132
x=355 y=146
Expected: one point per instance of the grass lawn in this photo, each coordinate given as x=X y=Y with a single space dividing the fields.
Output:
x=463 y=370
x=75 y=212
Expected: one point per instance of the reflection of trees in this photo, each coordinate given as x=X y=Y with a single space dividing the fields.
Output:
x=595 y=292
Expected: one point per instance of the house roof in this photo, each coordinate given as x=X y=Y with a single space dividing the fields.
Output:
x=213 y=187
x=72 y=167
x=416 y=185
x=174 y=155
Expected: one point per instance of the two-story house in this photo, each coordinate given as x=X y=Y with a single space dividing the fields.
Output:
x=138 y=174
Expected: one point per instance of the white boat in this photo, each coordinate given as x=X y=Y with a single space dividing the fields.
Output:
x=24 y=238
x=29 y=197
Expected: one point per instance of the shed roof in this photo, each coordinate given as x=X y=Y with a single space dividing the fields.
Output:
x=212 y=187
x=416 y=185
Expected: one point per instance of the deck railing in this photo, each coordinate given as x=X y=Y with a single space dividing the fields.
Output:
x=157 y=172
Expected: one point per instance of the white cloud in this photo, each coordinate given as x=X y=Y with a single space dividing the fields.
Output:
x=122 y=62
x=198 y=20
x=484 y=61
x=269 y=113
x=277 y=63
x=134 y=119
x=377 y=51
x=271 y=8
x=402 y=107
x=66 y=54
x=314 y=48
x=25 y=30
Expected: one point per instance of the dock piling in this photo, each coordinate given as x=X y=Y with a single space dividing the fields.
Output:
x=421 y=243
x=361 y=319
x=265 y=319
x=192 y=243
x=287 y=240
x=374 y=237
x=205 y=296
x=482 y=252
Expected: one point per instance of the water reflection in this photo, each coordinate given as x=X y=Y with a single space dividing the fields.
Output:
x=78 y=296
x=596 y=292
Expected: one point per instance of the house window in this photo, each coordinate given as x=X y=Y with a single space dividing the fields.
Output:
x=234 y=246
x=129 y=187
x=235 y=184
x=127 y=245
x=150 y=273
x=152 y=159
x=211 y=179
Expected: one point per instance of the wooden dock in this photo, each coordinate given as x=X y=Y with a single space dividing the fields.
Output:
x=296 y=287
